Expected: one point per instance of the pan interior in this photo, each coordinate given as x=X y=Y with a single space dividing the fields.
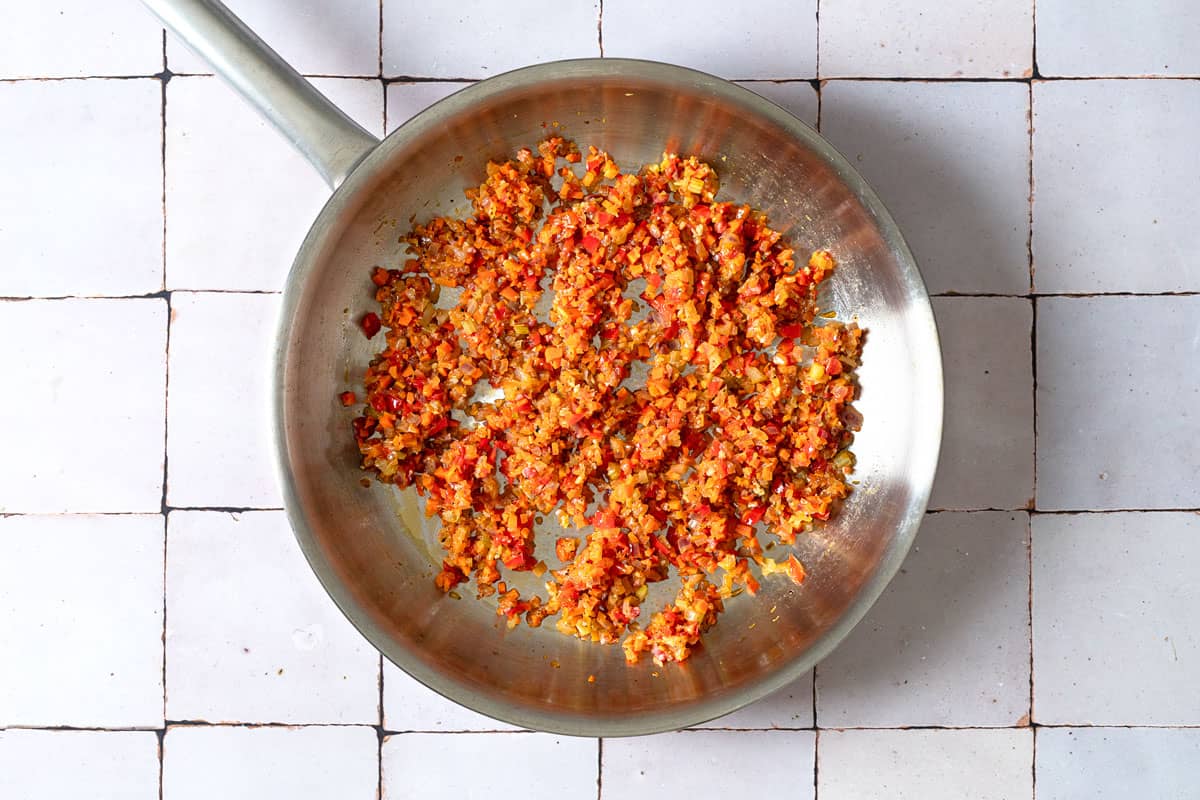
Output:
x=377 y=555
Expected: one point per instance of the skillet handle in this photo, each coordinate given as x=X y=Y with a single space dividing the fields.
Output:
x=321 y=131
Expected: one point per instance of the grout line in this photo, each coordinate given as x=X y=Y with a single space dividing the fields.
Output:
x=299 y=725
x=379 y=729
x=164 y=293
x=379 y=758
x=1029 y=610
x=600 y=28
x=385 y=106
x=389 y=79
x=1029 y=231
x=71 y=78
x=1033 y=767
x=989 y=510
x=816 y=763
x=226 y=509
x=383 y=85
x=161 y=736
x=439 y=732
x=165 y=79
x=819 y=86
x=1033 y=360
x=931 y=512
x=815 y=726
x=1037 y=73
x=199 y=723
x=818 y=50
x=1036 y=78
x=600 y=762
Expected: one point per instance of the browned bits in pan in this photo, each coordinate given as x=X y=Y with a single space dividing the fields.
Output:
x=740 y=424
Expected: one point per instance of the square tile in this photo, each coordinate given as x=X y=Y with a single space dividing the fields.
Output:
x=81 y=604
x=405 y=100
x=797 y=97
x=948 y=642
x=478 y=38
x=237 y=763
x=71 y=225
x=73 y=38
x=409 y=706
x=251 y=636
x=707 y=765
x=220 y=450
x=788 y=708
x=759 y=39
x=1117 y=398
x=1115 y=166
x=1117 y=763
x=925 y=765
x=1115 y=602
x=910 y=38
x=951 y=161
x=66 y=765
x=1119 y=37
x=316 y=37
x=101 y=365
x=239 y=198
x=430 y=766
x=987 y=443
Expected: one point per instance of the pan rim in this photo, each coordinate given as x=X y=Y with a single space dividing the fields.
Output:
x=921 y=479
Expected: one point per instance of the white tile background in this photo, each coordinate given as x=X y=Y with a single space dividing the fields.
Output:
x=162 y=637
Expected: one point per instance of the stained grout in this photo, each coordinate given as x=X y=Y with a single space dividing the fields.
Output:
x=166 y=293
x=171 y=724
x=600 y=768
x=817 y=56
x=600 y=27
x=1036 y=78
x=161 y=735
x=1037 y=512
x=816 y=763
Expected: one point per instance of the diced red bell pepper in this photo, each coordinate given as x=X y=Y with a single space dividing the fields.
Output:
x=753 y=515
x=590 y=243
x=371 y=324
x=791 y=331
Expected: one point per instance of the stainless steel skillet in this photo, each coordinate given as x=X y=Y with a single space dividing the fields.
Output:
x=371 y=548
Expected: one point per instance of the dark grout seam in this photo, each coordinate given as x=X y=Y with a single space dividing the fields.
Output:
x=817 y=48
x=1035 y=78
x=600 y=768
x=226 y=509
x=73 y=78
x=381 y=737
x=388 y=733
x=161 y=735
x=164 y=78
x=931 y=512
x=1037 y=73
x=167 y=293
x=162 y=294
x=600 y=28
x=816 y=763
